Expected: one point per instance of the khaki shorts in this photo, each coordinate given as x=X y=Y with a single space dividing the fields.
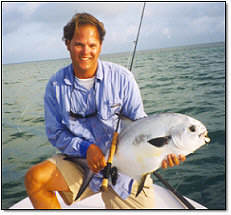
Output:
x=73 y=176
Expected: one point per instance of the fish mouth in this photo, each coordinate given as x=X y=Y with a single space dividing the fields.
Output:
x=205 y=137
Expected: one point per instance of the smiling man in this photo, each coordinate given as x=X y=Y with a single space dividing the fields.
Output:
x=81 y=104
x=85 y=48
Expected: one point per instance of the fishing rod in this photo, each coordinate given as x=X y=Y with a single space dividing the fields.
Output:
x=137 y=37
x=107 y=169
x=183 y=200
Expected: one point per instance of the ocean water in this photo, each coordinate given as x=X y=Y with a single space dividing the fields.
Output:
x=189 y=80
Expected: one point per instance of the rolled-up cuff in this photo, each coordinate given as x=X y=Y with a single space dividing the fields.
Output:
x=84 y=147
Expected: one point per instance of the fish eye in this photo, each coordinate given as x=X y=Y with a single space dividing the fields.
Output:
x=192 y=128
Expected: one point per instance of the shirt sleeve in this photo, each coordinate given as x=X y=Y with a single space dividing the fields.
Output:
x=133 y=104
x=56 y=131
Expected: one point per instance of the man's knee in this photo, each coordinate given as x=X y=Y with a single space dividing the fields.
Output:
x=37 y=176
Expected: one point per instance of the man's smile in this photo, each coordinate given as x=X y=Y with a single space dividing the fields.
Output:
x=85 y=58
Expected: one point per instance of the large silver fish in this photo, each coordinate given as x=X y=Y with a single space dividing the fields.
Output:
x=143 y=144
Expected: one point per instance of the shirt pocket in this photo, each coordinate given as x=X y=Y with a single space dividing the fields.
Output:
x=110 y=109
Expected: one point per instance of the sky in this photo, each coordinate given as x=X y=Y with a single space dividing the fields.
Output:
x=33 y=31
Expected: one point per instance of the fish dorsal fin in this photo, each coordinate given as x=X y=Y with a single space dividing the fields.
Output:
x=159 y=141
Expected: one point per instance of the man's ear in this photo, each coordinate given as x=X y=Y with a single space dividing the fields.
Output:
x=67 y=43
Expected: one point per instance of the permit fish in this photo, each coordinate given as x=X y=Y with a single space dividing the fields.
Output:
x=143 y=145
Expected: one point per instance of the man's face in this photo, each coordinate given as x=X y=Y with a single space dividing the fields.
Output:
x=84 y=49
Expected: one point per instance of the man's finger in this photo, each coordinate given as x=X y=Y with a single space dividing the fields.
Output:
x=175 y=159
x=170 y=162
x=182 y=158
x=164 y=164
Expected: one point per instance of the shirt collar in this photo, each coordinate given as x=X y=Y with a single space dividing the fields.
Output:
x=69 y=75
x=99 y=72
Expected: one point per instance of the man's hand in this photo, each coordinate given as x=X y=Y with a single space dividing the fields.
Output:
x=95 y=158
x=172 y=160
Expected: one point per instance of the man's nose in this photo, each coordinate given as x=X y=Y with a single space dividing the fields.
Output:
x=86 y=50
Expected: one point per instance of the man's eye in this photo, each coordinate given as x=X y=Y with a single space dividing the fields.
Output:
x=94 y=45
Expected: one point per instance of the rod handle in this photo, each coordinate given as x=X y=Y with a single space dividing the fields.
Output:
x=113 y=147
x=107 y=169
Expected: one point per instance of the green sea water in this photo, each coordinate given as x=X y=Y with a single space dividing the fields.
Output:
x=189 y=80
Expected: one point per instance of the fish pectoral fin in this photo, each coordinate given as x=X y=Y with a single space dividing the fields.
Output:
x=141 y=185
x=159 y=141
x=87 y=173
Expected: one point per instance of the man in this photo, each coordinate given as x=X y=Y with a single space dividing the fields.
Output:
x=81 y=102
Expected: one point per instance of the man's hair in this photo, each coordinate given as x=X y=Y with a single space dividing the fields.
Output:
x=82 y=19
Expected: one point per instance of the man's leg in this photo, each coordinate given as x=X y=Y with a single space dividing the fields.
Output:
x=145 y=200
x=41 y=182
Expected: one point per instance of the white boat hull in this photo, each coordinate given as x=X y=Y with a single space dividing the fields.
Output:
x=164 y=200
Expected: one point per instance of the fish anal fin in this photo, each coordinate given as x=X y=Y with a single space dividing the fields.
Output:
x=159 y=141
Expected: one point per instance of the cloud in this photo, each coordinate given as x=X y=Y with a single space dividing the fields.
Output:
x=16 y=14
x=36 y=27
x=19 y=14
x=175 y=23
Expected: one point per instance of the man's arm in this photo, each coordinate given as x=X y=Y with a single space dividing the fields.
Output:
x=56 y=131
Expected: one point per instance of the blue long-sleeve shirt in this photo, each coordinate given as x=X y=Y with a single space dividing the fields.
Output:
x=114 y=90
